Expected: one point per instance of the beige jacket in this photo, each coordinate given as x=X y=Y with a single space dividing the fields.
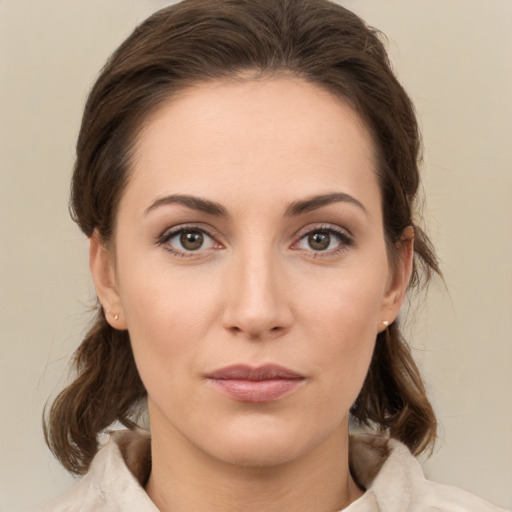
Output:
x=392 y=477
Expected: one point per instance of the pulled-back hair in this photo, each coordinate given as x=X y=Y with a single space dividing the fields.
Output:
x=202 y=40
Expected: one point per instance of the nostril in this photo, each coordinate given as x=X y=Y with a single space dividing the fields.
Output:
x=255 y=334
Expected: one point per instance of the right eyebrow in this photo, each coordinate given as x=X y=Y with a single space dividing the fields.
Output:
x=192 y=202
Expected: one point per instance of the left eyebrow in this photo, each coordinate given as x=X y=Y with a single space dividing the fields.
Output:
x=316 y=202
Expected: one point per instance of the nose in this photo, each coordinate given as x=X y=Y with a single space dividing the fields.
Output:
x=256 y=297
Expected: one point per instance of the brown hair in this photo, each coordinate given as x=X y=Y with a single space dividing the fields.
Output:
x=200 y=40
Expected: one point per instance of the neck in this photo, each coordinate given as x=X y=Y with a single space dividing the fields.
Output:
x=185 y=478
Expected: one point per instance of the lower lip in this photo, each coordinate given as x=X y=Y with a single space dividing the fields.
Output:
x=256 y=391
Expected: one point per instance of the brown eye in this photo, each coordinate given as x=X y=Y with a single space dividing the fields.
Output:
x=319 y=241
x=187 y=241
x=328 y=240
x=191 y=240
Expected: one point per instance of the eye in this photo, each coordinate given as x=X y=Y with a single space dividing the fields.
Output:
x=319 y=241
x=324 y=240
x=184 y=241
x=190 y=240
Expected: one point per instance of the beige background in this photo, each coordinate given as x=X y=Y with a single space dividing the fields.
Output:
x=454 y=56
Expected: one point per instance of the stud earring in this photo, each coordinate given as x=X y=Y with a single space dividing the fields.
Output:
x=116 y=315
x=385 y=322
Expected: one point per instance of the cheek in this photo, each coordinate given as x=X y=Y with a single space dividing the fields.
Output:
x=347 y=303
x=167 y=317
x=342 y=317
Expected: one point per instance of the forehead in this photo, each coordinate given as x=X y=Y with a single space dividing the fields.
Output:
x=275 y=136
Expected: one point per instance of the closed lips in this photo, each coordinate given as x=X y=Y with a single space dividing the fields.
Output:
x=245 y=372
x=261 y=384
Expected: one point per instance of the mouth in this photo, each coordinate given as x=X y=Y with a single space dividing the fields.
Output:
x=245 y=383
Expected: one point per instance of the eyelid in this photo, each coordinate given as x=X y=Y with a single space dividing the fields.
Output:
x=323 y=226
x=173 y=231
x=344 y=236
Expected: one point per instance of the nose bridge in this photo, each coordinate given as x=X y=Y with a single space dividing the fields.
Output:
x=256 y=304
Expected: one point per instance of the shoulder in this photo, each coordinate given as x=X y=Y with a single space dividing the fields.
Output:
x=394 y=480
x=115 y=479
x=434 y=496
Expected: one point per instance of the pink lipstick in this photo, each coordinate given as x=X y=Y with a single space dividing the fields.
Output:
x=255 y=384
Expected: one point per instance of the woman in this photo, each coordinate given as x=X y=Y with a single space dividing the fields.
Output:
x=246 y=173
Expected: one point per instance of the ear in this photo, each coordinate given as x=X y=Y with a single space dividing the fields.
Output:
x=399 y=278
x=103 y=274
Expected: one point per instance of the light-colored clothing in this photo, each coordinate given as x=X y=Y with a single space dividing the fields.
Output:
x=392 y=477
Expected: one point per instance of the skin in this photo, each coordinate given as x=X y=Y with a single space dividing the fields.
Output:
x=257 y=291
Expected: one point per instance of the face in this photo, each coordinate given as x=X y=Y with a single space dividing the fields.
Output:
x=250 y=268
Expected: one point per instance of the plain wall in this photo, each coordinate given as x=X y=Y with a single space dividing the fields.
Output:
x=453 y=56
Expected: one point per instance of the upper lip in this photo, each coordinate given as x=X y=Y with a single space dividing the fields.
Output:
x=255 y=373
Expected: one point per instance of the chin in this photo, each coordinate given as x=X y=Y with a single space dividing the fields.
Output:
x=258 y=452
x=265 y=443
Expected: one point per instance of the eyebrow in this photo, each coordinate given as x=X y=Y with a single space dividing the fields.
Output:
x=195 y=203
x=294 y=209
x=316 y=202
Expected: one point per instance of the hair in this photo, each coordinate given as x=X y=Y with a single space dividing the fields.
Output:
x=203 y=40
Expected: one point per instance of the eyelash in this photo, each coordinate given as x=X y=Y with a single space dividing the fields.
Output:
x=169 y=234
x=345 y=240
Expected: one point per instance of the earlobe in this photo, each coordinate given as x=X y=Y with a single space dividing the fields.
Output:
x=397 y=289
x=103 y=274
